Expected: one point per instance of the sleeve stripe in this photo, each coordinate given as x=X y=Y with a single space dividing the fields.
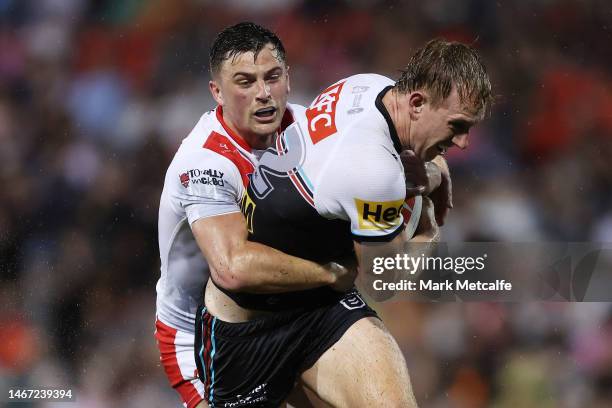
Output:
x=378 y=238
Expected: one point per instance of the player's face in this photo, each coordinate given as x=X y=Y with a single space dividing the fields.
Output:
x=440 y=127
x=253 y=94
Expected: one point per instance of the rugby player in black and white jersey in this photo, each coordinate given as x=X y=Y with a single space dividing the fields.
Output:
x=333 y=183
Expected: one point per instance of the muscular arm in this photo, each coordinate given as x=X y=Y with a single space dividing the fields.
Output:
x=237 y=264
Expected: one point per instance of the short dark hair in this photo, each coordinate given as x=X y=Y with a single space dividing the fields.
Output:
x=240 y=38
x=440 y=65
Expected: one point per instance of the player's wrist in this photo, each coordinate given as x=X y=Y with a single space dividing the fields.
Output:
x=334 y=272
x=433 y=234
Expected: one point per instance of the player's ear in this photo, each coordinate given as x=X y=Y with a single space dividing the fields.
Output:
x=215 y=90
x=416 y=101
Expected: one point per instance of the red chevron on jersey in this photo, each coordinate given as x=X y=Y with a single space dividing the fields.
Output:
x=222 y=145
x=322 y=114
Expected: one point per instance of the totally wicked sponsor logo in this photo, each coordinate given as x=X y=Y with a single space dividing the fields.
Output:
x=202 y=176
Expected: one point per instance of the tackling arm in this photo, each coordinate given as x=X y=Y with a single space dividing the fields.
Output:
x=237 y=264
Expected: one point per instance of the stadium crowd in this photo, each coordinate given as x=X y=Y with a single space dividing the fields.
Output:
x=96 y=96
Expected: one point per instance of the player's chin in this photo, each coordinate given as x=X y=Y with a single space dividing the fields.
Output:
x=266 y=128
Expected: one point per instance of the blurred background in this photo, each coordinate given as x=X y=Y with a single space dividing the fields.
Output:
x=95 y=97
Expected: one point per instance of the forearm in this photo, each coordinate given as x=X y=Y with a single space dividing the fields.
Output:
x=239 y=265
x=256 y=268
x=425 y=237
x=440 y=161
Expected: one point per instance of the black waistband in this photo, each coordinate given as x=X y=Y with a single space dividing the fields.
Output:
x=304 y=299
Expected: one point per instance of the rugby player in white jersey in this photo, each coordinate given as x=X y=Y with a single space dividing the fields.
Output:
x=333 y=184
x=201 y=195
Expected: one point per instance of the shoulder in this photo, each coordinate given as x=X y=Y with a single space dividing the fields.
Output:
x=207 y=157
x=370 y=171
x=209 y=144
x=202 y=167
x=366 y=186
x=207 y=123
x=199 y=156
x=374 y=81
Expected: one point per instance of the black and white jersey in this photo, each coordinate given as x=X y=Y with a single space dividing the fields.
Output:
x=333 y=177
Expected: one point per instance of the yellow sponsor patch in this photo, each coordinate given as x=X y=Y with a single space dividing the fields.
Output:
x=247 y=206
x=378 y=215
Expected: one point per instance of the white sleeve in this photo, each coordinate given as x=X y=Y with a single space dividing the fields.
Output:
x=365 y=184
x=205 y=184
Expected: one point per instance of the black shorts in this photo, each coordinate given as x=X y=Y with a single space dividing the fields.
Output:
x=256 y=363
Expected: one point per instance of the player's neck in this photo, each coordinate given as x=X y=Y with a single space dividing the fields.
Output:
x=258 y=142
x=397 y=106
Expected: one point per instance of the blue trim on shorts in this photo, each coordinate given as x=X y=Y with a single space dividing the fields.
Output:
x=212 y=355
x=202 y=348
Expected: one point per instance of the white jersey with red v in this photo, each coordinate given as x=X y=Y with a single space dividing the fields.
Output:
x=206 y=178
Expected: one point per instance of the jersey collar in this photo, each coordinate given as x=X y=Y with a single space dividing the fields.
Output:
x=287 y=120
x=383 y=110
